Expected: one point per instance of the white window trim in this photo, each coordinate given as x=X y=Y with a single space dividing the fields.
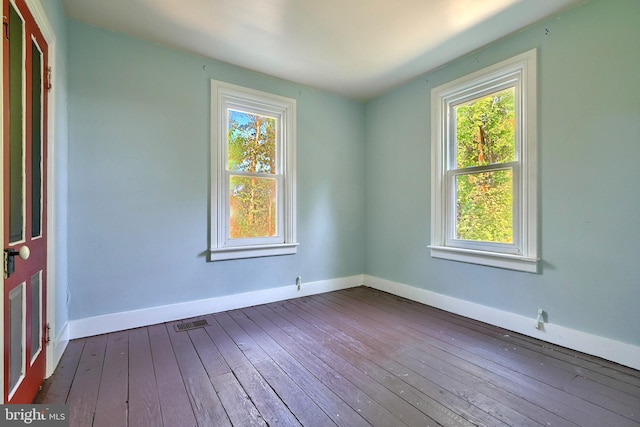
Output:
x=523 y=254
x=224 y=95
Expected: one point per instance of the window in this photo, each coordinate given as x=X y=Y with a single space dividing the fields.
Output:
x=483 y=148
x=252 y=173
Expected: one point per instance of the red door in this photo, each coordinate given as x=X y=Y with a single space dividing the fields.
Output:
x=25 y=65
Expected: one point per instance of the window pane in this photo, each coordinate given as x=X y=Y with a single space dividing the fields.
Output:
x=252 y=207
x=36 y=142
x=252 y=143
x=484 y=206
x=485 y=130
x=16 y=77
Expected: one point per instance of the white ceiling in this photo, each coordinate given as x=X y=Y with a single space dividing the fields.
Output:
x=358 y=48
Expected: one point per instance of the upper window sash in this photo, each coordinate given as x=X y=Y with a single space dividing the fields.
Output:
x=459 y=98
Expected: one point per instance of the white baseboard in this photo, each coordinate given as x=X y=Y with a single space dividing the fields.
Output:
x=606 y=348
x=59 y=344
x=616 y=351
x=97 y=325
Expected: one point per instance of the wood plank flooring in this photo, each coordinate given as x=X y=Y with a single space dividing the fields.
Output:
x=356 y=357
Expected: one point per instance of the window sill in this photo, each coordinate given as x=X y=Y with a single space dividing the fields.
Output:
x=491 y=259
x=239 y=252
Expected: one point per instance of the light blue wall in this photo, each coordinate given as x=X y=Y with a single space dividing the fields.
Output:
x=139 y=171
x=589 y=151
x=58 y=21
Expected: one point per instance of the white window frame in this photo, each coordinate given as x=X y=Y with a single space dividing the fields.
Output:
x=518 y=72
x=226 y=96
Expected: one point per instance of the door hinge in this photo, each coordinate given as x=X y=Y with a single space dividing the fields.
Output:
x=49 y=84
x=48 y=334
x=5 y=25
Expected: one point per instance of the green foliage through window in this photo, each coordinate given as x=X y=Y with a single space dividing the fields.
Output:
x=253 y=207
x=252 y=143
x=485 y=136
x=253 y=189
x=485 y=207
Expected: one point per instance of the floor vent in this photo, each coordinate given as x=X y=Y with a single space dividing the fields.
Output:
x=187 y=326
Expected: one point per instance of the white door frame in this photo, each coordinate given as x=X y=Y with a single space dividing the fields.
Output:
x=47 y=31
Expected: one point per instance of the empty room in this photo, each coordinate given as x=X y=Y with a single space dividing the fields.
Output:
x=276 y=212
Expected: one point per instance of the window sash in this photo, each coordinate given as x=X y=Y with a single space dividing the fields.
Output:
x=278 y=115
x=451 y=210
x=497 y=85
x=280 y=215
x=225 y=220
x=475 y=92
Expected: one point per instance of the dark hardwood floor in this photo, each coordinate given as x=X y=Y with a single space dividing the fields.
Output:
x=356 y=357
